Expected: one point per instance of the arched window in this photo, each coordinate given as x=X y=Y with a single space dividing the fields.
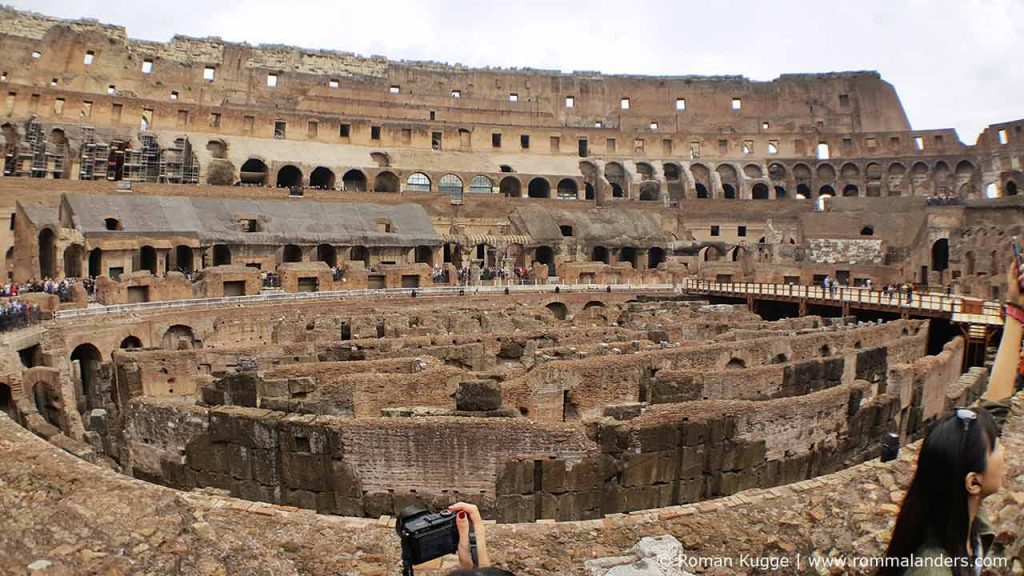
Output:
x=510 y=187
x=760 y=191
x=354 y=181
x=322 y=178
x=539 y=188
x=451 y=185
x=481 y=185
x=254 y=172
x=385 y=182
x=289 y=176
x=417 y=182
x=567 y=189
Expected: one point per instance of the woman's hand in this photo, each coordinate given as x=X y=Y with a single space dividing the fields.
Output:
x=466 y=514
x=1014 y=280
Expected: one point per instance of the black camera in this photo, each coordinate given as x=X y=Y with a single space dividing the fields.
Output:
x=426 y=535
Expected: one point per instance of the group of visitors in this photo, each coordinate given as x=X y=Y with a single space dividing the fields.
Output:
x=15 y=314
x=943 y=201
x=439 y=274
x=270 y=279
x=903 y=291
x=59 y=288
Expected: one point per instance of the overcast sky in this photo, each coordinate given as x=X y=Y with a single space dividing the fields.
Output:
x=954 y=63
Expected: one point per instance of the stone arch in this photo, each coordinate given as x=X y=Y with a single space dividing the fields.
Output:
x=354 y=181
x=804 y=191
x=964 y=169
x=760 y=191
x=221 y=255
x=568 y=189
x=87 y=376
x=327 y=254
x=539 y=188
x=617 y=178
x=850 y=171
x=672 y=171
x=424 y=255
x=289 y=176
x=73 y=256
x=183 y=258
x=148 y=259
x=594 y=304
x=628 y=254
x=873 y=178
x=451 y=185
x=130 y=343
x=940 y=255
x=359 y=254
x=417 y=182
x=47 y=253
x=599 y=254
x=969 y=263
x=322 y=178
x=645 y=170
x=777 y=172
x=510 y=187
x=655 y=256
x=896 y=176
x=217 y=148
x=701 y=180
x=851 y=190
x=710 y=254
x=386 y=181
x=481 y=185
x=7 y=405
x=546 y=255
x=1011 y=188
x=95 y=263
x=650 y=190
x=826 y=173
x=291 y=253
x=180 y=337
x=558 y=309
x=753 y=171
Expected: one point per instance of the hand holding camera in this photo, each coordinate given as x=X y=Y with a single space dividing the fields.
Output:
x=428 y=535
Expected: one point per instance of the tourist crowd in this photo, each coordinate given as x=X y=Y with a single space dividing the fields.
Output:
x=16 y=314
x=59 y=288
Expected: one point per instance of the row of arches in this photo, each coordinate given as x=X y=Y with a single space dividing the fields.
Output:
x=255 y=172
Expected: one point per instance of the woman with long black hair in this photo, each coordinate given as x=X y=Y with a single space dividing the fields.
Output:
x=941 y=528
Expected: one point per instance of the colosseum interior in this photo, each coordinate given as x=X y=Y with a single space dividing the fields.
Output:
x=303 y=289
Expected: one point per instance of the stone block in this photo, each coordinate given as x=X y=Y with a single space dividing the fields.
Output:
x=515 y=508
x=516 y=477
x=302 y=471
x=238 y=461
x=299 y=498
x=478 y=395
x=202 y=455
x=265 y=467
x=345 y=480
x=377 y=504
x=662 y=436
x=276 y=388
x=553 y=476
x=626 y=411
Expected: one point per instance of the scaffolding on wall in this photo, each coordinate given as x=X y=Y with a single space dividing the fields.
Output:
x=94 y=156
x=178 y=164
x=143 y=164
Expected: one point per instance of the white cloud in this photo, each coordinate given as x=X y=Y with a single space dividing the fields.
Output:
x=953 y=62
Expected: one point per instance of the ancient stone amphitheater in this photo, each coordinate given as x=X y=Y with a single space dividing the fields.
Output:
x=294 y=291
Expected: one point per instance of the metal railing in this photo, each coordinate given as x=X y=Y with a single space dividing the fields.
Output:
x=960 y=308
x=288 y=297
